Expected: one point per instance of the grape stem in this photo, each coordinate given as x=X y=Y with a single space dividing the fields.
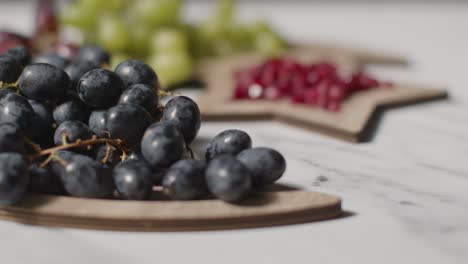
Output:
x=117 y=143
x=4 y=85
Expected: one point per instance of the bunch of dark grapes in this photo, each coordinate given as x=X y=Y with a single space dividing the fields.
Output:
x=77 y=128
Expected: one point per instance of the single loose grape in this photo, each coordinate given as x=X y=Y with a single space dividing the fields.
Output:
x=228 y=179
x=266 y=165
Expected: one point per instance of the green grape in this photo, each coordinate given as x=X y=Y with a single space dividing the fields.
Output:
x=225 y=11
x=172 y=68
x=116 y=5
x=96 y=5
x=117 y=58
x=80 y=16
x=260 y=27
x=140 y=35
x=156 y=12
x=112 y=33
x=169 y=40
x=269 y=44
x=241 y=37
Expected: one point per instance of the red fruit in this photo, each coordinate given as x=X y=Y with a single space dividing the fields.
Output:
x=298 y=82
x=324 y=69
x=268 y=76
x=312 y=96
x=46 y=19
x=255 y=91
x=334 y=106
x=9 y=40
x=273 y=93
x=336 y=92
x=318 y=84
x=240 y=92
x=298 y=98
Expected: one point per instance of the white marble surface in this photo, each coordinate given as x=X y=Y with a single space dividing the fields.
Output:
x=407 y=189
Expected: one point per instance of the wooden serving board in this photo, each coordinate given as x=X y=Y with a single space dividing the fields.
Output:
x=351 y=123
x=260 y=210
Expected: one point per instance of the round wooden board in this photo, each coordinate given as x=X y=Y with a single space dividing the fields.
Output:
x=260 y=210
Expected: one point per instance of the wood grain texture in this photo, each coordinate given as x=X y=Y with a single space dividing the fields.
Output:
x=350 y=123
x=260 y=210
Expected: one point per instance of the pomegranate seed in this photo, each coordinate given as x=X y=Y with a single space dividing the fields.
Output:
x=334 y=106
x=312 y=97
x=297 y=98
x=255 y=91
x=240 y=92
x=268 y=76
x=336 y=92
x=273 y=93
x=318 y=84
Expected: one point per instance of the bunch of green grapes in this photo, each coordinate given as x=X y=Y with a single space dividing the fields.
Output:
x=152 y=30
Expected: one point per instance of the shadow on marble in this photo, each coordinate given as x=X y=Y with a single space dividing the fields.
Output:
x=372 y=127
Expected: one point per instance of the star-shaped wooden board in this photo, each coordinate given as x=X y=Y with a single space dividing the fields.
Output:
x=353 y=122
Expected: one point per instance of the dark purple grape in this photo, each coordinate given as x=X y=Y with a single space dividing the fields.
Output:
x=162 y=144
x=265 y=165
x=46 y=18
x=133 y=180
x=94 y=55
x=127 y=122
x=52 y=59
x=43 y=180
x=230 y=142
x=184 y=114
x=100 y=88
x=185 y=180
x=73 y=130
x=135 y=155
x=44 y=82
x=10 y=70
x=11 y=138
x=14 y=178
x=16 y=109
x=20 y=54
x=5 y=91
x=85 y=177
x=107 y=155
x=228 y=179
x=73 y=109
x=136 y=72
x=76 y=70
x=141 y=95
x=57 y=166
x=43 y=122
x=97 y=122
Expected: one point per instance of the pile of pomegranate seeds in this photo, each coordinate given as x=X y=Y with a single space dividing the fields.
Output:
x=319 y=84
